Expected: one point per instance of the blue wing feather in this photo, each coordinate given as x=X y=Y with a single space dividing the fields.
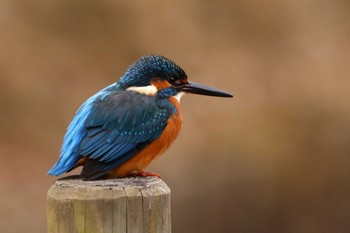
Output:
x=118 y=150
x=110 y=128
x=90 y=143
x=104 y=148
x=94 y=131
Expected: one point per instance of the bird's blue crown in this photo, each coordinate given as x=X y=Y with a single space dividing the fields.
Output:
x=147 y=68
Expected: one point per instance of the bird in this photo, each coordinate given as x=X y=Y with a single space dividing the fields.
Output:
x=121 y=129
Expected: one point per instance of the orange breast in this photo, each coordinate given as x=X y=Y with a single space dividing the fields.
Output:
x=157 y=147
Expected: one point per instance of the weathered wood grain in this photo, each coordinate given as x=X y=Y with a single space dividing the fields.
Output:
x=132 y=205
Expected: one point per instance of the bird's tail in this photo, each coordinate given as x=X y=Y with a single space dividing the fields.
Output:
x=58 y=169
x=62 y=166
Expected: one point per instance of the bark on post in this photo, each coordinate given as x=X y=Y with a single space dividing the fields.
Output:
x=132 y=205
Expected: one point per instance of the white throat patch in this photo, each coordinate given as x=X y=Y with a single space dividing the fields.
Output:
x=179 y=95
x=146 y=90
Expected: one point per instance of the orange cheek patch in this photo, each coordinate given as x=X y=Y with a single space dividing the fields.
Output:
x=160 y=84
x=184 y=80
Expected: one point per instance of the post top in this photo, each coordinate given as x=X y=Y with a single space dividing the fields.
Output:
x=137 y=182
x=76 y=188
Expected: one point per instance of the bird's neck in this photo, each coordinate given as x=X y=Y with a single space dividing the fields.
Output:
x=166 y=92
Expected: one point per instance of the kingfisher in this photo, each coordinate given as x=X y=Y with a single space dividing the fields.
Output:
x=121 y=129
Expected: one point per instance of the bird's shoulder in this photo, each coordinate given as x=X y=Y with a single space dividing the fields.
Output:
x=122 y=108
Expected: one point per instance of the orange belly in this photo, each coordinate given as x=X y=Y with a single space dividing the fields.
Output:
x=157 y=147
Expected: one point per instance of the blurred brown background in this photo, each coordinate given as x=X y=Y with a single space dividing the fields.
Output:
x=273 y=159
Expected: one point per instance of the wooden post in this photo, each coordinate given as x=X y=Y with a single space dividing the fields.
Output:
x=129 y=205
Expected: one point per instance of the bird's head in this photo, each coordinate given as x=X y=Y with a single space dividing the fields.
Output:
x=154 y=74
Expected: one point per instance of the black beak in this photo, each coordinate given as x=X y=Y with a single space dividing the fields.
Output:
x=200 y=89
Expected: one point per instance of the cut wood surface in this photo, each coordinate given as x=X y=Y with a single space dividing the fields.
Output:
x=132 y=205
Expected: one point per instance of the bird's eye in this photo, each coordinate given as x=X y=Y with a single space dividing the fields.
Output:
x=178 y=82
x=173 y=80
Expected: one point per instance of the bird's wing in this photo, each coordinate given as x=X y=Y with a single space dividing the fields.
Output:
x=117 y=128
x=110 y=128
